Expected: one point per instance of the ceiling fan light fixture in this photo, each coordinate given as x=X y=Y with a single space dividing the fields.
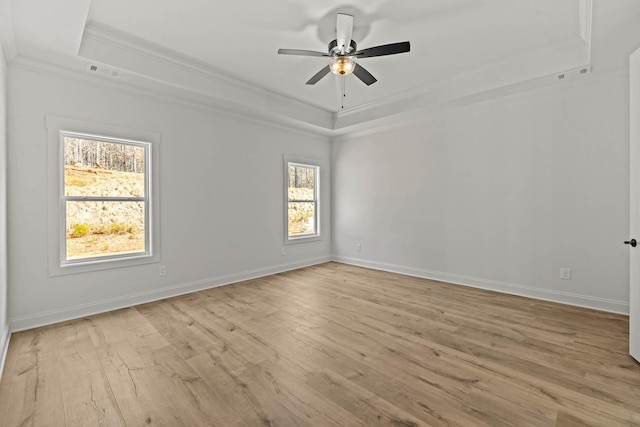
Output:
x=343 y=52
x=342 y=65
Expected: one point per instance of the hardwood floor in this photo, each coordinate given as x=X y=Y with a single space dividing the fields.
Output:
x=327 y=345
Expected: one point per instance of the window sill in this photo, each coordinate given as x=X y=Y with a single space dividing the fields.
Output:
x=101 y=264
x=302 y=239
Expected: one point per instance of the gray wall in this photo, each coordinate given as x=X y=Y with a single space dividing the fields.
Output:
x=499 y=195
x=4 y=324
x=218 y=224
x=503 y=193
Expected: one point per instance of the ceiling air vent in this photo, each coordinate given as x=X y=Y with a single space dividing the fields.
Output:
x=99 y=69
x=577 y=72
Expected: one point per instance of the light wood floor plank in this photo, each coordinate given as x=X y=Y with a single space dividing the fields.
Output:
x=139 y=398
x=193 y=399
x=86 y=393
x=37 y=380
x=367 y=406
x=328 y=345
x=7 y=379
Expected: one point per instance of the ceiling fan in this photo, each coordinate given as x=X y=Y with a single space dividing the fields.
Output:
x=343 y=52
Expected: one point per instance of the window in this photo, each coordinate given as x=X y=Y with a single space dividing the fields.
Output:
x=302 y=201
x=102 y=196
x=105 y=198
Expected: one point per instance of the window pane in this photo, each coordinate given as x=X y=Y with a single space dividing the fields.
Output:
x=98 y=229
x=301 y=200
x=301 y=183
x=301 y=218
x=103 y=169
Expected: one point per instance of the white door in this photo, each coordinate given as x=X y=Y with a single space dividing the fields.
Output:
x=634 y=267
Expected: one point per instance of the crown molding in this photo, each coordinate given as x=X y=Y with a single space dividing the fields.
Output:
x=586 y=22
x=525 y=69
x=154 y=71
x=403 y=110
x=195 y=79
x=532 y=88
x=7 y=33
x=519 y=72
x=152 y=65
x=163 y=93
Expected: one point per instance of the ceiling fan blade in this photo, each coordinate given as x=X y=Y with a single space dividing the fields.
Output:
x=320 y=74
x=344 y=31
x=364 y=75
x=301 y=52
x=382 y=50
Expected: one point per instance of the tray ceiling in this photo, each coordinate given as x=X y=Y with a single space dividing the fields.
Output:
x=228 y=50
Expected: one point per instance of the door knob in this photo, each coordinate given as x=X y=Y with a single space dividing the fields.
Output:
x=631 y=242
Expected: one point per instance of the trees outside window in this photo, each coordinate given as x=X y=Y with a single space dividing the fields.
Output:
x=105 y=198
x=302 y=201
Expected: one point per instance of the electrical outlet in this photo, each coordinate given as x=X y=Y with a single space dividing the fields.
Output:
x=358 y=247
x=283 y=251
x=565 y=273
x=162 y=270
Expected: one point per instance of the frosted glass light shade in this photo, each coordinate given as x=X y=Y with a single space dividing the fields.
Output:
x=343 y=65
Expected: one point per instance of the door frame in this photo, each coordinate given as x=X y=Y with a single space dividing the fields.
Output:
x=634 y=205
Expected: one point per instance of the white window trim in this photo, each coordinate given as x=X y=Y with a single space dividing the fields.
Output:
x=306 y=162
x=148 y=213
x=56 y=127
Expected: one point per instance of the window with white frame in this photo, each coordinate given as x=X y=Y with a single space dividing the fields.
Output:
x=105 y=198
x=302 y=191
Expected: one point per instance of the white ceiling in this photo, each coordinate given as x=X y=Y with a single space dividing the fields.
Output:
x=228 y=50
x=448 y=37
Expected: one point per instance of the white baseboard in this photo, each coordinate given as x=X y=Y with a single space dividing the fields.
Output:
x=4 y=347
x=55 y=316
x=602 y=304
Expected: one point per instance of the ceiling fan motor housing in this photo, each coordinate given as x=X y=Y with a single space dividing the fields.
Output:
x=335 y=50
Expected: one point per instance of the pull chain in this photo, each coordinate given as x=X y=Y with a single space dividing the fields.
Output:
x=344 y=90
